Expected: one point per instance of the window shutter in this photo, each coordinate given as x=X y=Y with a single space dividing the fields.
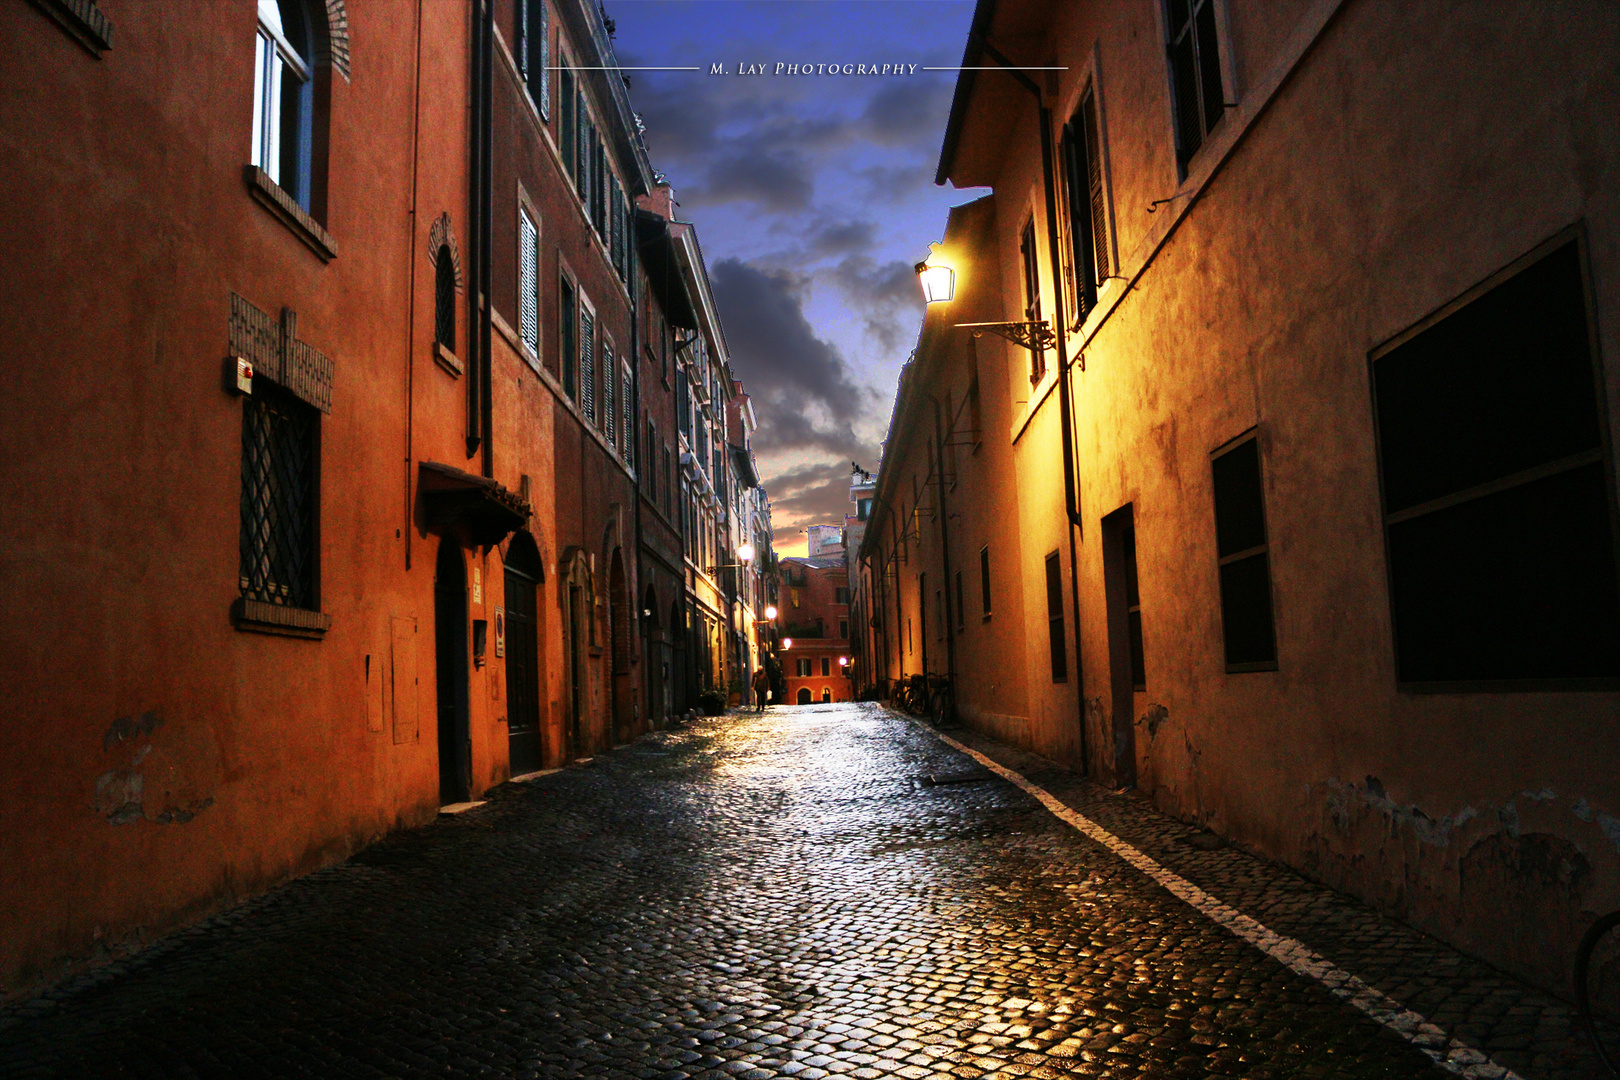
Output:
x=627 y=427
x=523 y=38
x=544 y=33
x=610 y=401
x=587 y=363
x=615 y=226
x=1094 y=182
x=529 y=282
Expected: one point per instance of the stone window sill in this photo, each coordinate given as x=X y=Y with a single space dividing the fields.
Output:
x=290 y=214
x=83 y=21
x=259 y=617
x=447 y=359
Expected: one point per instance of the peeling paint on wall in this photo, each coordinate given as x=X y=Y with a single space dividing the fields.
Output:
x=122 y=793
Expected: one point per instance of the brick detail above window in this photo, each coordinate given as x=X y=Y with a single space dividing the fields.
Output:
x=277 y=354
x=83 y=21
x=256 y=615
x=285 y=207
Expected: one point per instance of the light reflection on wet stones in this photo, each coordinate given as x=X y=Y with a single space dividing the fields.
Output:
x=757 y=897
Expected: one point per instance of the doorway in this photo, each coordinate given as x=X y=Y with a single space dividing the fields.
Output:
x=1126 y=665
x=450 y=661
x=522 y=647
x=623 y=709
x=804 y=695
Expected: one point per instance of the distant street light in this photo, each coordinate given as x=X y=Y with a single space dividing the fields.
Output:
x=787 y=643
x=843 y=661
x=746 y=552
x=770 y=611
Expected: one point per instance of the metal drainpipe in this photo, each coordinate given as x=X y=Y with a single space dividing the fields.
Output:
x=944 y=543
x=486 y=198
x=1066 y=403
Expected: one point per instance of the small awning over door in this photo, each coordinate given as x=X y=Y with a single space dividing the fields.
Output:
x=452 y=497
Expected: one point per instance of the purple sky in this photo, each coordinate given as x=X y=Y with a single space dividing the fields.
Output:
x=813 y=196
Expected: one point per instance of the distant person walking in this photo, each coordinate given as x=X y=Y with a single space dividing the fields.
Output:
x=762 y=688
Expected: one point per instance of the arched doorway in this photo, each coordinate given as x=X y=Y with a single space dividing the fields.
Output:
x=804 y=695
x=450 y=662
x=619 y=642
x=826 y=693
x=524 y=572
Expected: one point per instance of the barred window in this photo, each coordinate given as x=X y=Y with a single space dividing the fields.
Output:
x=280 y=498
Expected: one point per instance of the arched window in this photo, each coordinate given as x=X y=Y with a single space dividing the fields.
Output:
x=284 y=97
x=444 y=291
x=826 y=693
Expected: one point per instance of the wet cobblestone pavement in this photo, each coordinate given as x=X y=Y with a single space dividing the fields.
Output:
x=826 y=890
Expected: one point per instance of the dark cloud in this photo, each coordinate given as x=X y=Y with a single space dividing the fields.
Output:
x=908 y=112
x=840 y=237
x=776 y=352
x=777 y=181
x=886 y=295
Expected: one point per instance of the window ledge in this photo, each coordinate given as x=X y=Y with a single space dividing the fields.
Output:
x=447 y=359
x=284 y=207
x=259 y=617
x=83 y=21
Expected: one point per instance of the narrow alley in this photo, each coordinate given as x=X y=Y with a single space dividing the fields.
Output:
x=822 y=890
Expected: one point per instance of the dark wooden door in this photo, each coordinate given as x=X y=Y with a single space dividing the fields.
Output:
x=522 y=673
x=450 y=647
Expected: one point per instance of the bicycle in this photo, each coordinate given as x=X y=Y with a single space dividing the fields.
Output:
x=910 y=695
x=1597 y=983
x=941 y=701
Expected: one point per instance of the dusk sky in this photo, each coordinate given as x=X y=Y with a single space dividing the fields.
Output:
x=813 y=195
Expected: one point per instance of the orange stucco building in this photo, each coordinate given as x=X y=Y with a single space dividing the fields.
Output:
x=1282 y=489
x=314 y=540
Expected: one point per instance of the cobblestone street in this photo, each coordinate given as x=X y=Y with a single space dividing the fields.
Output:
x=824 y=890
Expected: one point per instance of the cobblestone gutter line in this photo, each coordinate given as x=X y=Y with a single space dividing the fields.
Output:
x=1450 y=1053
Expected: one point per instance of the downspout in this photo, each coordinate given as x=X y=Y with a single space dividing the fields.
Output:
x=410 y=306
x=1071 y=501
x=475 y=235
x=944 y=543
x=486 y=197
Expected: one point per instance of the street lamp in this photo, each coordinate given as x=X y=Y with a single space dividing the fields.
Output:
x=770 y=611
x=938 y=281
x=745 y=552
x=787 y=643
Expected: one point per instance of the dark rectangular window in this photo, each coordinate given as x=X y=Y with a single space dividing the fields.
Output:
x=843 y=629
x=803 y=668
x=841 y=595
x=826 y=666
x=1054 y=618
x=1498 y=517
x=1032 y=295
x=569 y=331
x=280 y=498
x=1243 y=556
x=984 y=578
x=568 y=122
x=1197 y=93
x=1083 y=183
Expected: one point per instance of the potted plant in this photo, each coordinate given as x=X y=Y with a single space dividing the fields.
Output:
x=712 y=701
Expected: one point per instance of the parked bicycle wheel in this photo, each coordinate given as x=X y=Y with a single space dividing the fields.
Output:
x=1597 y=987
x=942 y=709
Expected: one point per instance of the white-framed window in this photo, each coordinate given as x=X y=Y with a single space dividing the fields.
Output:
x=529 y=282
x=283 y=97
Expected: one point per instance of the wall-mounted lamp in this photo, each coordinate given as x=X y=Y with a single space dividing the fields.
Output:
x=770 y=611
x=843 y=661
x=787 y=643
x=938 y=282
